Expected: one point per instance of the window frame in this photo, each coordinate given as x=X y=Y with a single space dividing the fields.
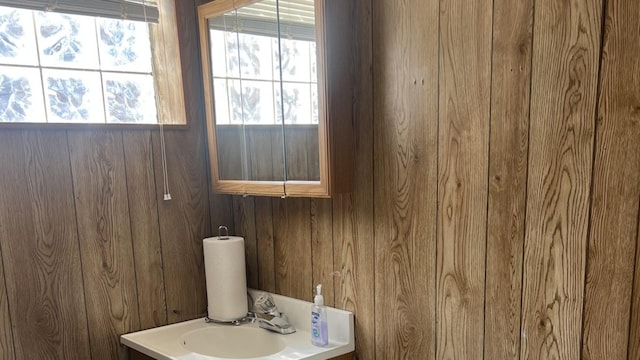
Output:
x=171 y=109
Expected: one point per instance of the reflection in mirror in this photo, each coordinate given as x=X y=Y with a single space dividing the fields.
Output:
x=299 y=89
x=264 y=69
x=229 y=105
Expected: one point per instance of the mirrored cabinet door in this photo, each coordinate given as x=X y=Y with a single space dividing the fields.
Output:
x=267 y=72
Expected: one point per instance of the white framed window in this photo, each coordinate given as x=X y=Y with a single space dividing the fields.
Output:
x=62 y=67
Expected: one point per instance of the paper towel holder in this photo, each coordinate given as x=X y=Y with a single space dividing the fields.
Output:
x=222 y=228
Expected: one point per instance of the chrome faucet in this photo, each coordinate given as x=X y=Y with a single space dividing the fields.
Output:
x=269 y=317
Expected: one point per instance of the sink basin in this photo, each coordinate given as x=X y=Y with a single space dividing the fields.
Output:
x=200 y=340
x=231 y=342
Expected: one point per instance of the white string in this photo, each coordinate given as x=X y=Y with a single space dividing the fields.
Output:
x=167 y=195
x=163 y=149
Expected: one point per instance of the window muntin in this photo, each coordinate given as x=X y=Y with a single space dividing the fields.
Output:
x=60 y=68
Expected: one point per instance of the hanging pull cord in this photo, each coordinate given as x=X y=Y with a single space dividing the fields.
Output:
x=163 y=149
x=165 y=176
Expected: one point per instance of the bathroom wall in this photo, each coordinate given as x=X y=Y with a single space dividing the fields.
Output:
x=88 y=248
x=497 y=185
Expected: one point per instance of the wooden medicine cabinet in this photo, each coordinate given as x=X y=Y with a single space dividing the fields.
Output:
x=278 y=86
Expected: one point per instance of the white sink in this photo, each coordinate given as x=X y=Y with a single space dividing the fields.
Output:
x=233 y=342
x=198 y=340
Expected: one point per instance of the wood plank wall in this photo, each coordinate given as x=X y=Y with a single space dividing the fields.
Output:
x=88 y=248
x=495 y=208
x=494 y=214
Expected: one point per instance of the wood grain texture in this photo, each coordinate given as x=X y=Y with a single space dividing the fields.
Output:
x=322 y=248
x=185 y=220
x=6 y=334
x=510 y=95
x=265 y=153
x=563 y=98
x=292 y=247
x=44 y=275
x=104 y=234
x=266 y=247
x=634 y=324
x=405 y=161
x=166 y=59
x=39 y=242
x=301 y=153
x=353 y=226
x=184 y=223
x=230 y=153
x=245 y=226
x=340 y=66
x=145 y=233
x=616 y=189
x=463 y=154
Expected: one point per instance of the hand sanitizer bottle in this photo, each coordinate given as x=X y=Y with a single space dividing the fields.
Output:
x=319 y=331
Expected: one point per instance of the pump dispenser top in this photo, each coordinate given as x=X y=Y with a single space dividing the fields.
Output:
x=318 y=300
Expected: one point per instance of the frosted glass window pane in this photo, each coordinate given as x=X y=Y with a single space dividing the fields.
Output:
x=67 y=41
x=218 y=53
x=295 y=60
x=313 y=57
x=221 y=101
x=129 y=98
x=124 y=45
x=254 y=105
x=314 y=103
x=255 y=55
x=20 y=95
x=233 y=60
x=72 y=96
x=275 y=59
x=18 y=39
x=295 y=103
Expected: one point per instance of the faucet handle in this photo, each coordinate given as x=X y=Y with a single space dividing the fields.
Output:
x=265 y=303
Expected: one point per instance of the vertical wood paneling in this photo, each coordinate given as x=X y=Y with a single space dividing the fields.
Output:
x=266 y=248
x=104 y=231
x=184 y=223
x=405 y=132
x=261 y=159
x=563 y=97
x=616 y=188
x=38 y=237
x=39 y=234
x=245 y=226
x=221 y=208
x=510 y=94
x=463 y=155
x=292 y=247
x=536 y=193
x=145 y=234
x=353 y=225
x=634 y=328
x=322 y=248
x=166 y=61
x=6 y=334
x=185 y=220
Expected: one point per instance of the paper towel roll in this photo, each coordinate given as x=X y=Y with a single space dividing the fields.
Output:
x=226 y=278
